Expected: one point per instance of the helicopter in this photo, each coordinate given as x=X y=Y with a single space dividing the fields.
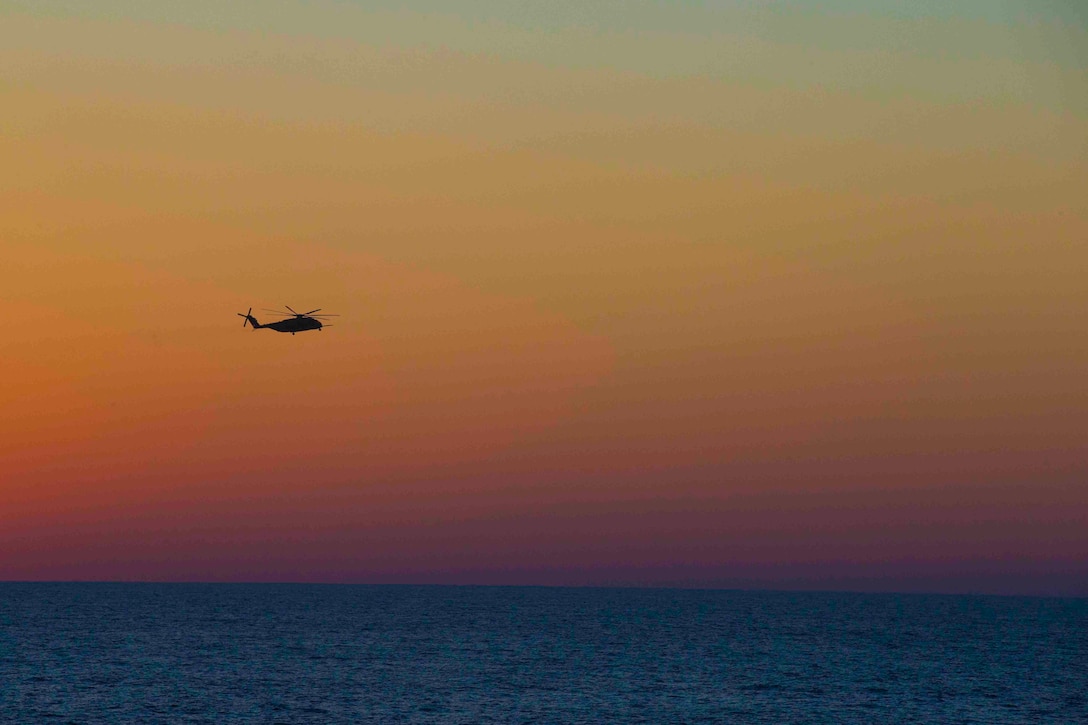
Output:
x=293 y=321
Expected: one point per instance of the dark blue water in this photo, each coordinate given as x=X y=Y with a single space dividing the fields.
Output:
x=148 y=653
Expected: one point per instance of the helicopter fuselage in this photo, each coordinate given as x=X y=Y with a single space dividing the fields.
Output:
x=294 y=324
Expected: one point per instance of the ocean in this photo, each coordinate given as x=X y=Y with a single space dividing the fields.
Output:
x=281 y=653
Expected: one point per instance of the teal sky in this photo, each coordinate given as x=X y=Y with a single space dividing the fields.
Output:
x=1014 y=29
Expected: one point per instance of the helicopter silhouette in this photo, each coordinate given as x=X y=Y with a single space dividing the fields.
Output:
x=293 y=322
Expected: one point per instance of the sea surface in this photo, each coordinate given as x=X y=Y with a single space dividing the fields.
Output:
x=223 y=653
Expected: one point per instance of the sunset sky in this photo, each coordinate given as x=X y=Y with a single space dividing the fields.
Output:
x=726 y=294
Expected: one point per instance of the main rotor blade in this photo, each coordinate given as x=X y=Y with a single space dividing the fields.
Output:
x=292 y=311
x=312 y=311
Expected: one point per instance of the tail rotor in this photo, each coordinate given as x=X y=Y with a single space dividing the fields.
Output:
x=246 y=316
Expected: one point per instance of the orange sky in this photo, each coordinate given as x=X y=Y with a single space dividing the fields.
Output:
x=722 y=296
